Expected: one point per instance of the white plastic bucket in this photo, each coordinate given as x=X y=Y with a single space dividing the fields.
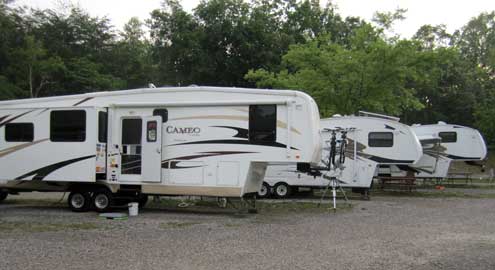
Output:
x=133 y=209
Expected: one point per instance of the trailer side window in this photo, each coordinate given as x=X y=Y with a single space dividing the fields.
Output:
x=263 y=123
x=102 y=127
x=380 y=139
x=68 y=126
x=161 y=112
x=19 y=132
x=448 y=137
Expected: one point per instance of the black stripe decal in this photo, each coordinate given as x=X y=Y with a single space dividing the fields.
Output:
x=246 y=142
x=172 y=163
x=386 y=160
x=41 y=173
x=82 y=101
x=408 y=168
x=44 y=110
x=3 y=117
x=14 y=118
x=241 y=132
x=459 y=157
x=389 y=127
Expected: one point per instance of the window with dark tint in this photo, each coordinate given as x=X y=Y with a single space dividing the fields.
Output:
x=151 y=132
x=19 y=132
x=131 y=131
x=263 y=123
x=68 y=126
x=161 y=112
x=448 y=137
x=102 y=127
x=380 y=139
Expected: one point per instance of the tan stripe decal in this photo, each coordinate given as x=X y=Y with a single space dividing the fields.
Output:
x=280 y=124
x=19 y=147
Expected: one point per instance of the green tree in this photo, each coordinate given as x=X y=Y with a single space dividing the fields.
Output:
x=33 y=68
x=370 y=75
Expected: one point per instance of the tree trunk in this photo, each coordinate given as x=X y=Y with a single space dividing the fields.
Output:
x=31 y=81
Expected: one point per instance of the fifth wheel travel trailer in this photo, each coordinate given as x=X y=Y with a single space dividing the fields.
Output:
x=443 y=144
x=205 y=141
x=372 y=139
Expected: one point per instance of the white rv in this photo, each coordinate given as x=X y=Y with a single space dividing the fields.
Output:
x=443 y=144
x=372 y=139
x=205 y=141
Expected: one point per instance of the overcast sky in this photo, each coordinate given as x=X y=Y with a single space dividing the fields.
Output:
x=453 y=13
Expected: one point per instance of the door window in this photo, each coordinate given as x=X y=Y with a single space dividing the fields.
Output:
x=131 y=146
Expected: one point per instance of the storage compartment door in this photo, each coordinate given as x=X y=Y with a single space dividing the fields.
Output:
x=228 y=173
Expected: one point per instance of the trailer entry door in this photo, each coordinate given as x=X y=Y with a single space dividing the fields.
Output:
x=152 y=149
x=131 y=149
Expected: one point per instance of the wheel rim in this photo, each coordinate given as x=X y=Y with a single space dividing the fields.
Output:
x=282 y=190
x=263 y=191
x=77 y=200
x=101 y=201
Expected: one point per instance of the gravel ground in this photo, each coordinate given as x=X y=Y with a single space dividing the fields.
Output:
x=36 y=232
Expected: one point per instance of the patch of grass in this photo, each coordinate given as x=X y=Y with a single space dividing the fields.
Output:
x=37 y=202
x=295 y=206
x=44 y=227
x=434 y=194
x=231 y=225
x=178 y=225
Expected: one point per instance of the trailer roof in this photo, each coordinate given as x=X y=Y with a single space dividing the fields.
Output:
x=158 y=90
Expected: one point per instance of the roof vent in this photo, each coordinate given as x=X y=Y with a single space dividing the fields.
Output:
x=150 y=85
x=441 y=123
x=336 y=115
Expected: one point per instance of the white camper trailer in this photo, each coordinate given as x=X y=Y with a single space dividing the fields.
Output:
x=443 y=144
x=205 y=141
x=372 y=139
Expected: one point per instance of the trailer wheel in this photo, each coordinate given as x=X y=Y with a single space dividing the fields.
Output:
x=264 y=191
x=102 y=200
x=282 y=190
x=79 y=201
x=3 y=195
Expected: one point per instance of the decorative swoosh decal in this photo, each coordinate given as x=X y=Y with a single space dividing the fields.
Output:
x=270 y=144
x=13 y=149
x=241 y=132
x=82 y=101
x=14 y=118
x=3 y=117
x=172 y=163
x=460 y=157
x=41 y=173
x=386 y=160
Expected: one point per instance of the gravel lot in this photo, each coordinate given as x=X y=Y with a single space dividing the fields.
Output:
x=387 y=232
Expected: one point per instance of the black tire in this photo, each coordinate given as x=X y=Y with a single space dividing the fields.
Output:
x=102 y=200
x=282 y=190
x=3 y=195
x=142 y=200
x=79 y=201
x=265 y=191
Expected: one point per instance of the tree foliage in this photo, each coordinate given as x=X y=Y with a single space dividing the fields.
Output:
x=346 y=63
